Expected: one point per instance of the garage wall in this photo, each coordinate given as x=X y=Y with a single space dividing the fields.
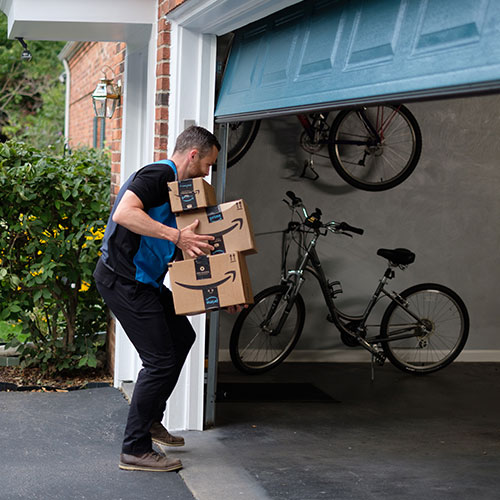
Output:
x=447 y=212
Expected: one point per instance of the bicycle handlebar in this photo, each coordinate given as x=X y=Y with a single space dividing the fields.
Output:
x=343 y=226
x=314 y=220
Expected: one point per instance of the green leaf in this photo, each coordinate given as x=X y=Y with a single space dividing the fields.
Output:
x=14 y=280
x=83 y=361
x=92 y=359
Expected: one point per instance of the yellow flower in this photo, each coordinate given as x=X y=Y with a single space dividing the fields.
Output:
x=85 y=286
x=97 y=234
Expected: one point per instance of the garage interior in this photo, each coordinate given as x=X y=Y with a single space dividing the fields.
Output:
x=398 y=435
x=446 y=212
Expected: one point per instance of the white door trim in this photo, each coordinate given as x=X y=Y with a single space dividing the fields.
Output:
x=192 y=102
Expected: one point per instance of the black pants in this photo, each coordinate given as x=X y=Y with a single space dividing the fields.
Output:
x=163 y=341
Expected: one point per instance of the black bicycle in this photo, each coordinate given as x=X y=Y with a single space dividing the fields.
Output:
x=423 y=329
x=372 y=148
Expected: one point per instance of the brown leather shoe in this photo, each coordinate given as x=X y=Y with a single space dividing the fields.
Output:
x=150 y=461
x=160 y=435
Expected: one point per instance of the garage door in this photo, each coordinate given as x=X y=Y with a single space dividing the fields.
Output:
x=319 y=54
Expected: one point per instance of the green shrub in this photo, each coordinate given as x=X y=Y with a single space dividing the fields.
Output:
x=9 y=331
x=52 y=213
x=32 y=96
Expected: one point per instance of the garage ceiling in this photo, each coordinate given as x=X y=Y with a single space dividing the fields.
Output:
x=329 y=54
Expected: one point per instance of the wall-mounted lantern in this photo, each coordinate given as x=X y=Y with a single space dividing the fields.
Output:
x=26 y=54
x=106 y=96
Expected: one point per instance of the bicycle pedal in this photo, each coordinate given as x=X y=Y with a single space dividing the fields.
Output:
x=379 y=359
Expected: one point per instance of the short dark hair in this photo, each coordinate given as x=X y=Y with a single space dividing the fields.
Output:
x=196 y=137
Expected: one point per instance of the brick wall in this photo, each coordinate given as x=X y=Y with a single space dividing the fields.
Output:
x=86 y=65
x=163 y=78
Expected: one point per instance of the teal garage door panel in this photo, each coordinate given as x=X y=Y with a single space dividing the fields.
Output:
x=342 y=52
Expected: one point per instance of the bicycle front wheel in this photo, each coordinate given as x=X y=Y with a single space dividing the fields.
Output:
x=256 y=344
x=375 y=148
x=435 y=340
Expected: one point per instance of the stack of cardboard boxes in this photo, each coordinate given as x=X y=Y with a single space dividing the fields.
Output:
x=221 y=279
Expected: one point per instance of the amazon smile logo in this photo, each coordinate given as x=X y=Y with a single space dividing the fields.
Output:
x=236 y=222
x=208 y=286
x=187 y=194
x=190 y=196
x=210 y=290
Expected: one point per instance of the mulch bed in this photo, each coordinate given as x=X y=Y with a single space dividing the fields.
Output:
x=13 y=378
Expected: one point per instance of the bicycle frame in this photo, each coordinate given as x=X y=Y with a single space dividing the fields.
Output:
x=354 y=325
x=317 y=127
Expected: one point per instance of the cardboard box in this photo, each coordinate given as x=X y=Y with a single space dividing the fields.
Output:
x=190 y=194
x=210 y=283
x=229 y=223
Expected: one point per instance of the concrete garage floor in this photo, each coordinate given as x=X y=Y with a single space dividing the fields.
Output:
x=399 y=437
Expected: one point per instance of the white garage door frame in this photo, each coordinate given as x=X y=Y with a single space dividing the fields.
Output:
x=195 y=25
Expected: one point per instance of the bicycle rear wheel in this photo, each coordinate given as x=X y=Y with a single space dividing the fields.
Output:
x=376 y=157
x=255 y=345
x=445 y=317
x=240 y=139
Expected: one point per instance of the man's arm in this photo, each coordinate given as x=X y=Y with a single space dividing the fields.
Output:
x=130 y=214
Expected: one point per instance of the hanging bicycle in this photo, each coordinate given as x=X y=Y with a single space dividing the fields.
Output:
x=372 y=148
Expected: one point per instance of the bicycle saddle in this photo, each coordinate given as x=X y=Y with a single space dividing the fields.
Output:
x=400 y=256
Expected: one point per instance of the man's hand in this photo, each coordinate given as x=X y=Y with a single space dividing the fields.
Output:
x=194 y=244
x=236 y=309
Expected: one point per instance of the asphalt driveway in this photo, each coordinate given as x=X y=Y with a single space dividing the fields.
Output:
x=64 y=446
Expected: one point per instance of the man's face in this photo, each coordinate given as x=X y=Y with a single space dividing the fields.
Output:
x=200 y=165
